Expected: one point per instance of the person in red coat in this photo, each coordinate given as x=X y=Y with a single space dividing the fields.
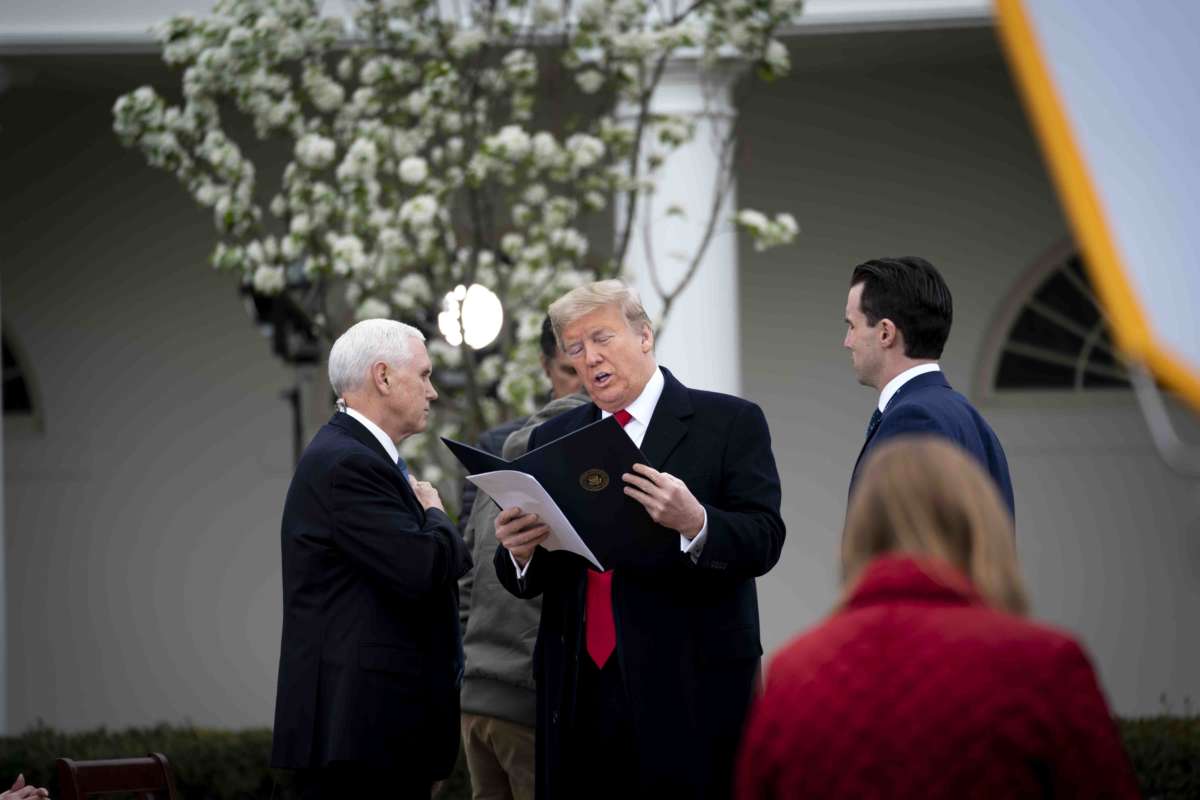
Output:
x=926 y=681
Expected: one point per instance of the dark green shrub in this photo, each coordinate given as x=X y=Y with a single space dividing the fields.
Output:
x=1165 y=751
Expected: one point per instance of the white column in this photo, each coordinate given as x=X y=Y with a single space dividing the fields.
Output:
x=700 y=339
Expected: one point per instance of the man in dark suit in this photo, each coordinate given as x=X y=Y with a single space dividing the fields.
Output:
x=898 y=317
x=644 y=672
x=367 y=701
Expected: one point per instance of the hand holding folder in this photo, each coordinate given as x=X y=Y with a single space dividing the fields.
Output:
x=574 y=484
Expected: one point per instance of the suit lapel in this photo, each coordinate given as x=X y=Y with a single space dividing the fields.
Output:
x=936 y=378
x=360 y=433
x=667 y=425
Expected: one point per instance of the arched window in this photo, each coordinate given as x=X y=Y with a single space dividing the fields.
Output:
x=1052 y=334
x=18 y=394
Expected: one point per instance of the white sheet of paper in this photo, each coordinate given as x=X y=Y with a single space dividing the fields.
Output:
x=511 y=488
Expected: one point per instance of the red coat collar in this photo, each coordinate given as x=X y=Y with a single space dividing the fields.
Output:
x=903 y=578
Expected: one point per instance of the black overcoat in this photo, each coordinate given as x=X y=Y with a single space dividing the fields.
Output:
x=370 y=608
x=687 y=633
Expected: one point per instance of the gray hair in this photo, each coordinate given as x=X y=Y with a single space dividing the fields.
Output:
x=367 y=343
x=583 y=300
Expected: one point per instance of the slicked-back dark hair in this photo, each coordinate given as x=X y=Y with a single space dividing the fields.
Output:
x=911 y=293
x=549 y=343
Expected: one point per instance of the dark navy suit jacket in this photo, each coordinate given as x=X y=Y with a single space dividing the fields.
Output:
x=927 y=404
x=370 y=605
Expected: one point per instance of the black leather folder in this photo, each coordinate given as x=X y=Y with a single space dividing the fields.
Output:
x=582 y=473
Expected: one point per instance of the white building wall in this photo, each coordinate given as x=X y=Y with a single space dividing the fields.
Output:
x=142 y=522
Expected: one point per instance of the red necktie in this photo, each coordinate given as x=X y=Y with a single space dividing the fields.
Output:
x=601 y=629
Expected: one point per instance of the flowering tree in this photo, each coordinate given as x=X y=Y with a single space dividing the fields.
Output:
x=428 y=148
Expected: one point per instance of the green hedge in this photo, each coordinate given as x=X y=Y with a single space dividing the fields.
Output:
x=232 y=765
x=1165 y=751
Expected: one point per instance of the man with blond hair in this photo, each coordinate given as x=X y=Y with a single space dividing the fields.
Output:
x=367 y=702
x=645 y=671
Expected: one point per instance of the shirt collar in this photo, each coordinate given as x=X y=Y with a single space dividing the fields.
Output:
x=388 y=445
x=893 y=386
x=642 y=409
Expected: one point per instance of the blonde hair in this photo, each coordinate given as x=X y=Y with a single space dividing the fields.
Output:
x=583 y=300
x=926 y=497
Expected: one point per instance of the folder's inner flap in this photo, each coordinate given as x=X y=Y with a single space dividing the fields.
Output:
x=474 y=459
x=605 y=434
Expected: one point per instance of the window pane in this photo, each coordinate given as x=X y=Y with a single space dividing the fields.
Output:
x=1063 y=296
x=1094 y=381
x=1034 y=329
x=1022 y=372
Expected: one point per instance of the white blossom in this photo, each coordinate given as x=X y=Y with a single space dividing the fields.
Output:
x=269 y=279
x=570 y=240
x=373 y=308
x=752 y=220
x=546 y=152
x=590 y=81
x=206 y=194
x=291 y=247
x=414 y=170
x=419 y=211
x=301 y=225
x=511 y=142
x=511 y=243
x=414 y=288
x=315 y=151
x=348 y=255
x=787 y=224
x=326 y=94
x=360 y=161
x=536 y=194
x=585 y=150
x=372 y=71
x=418 y=102
x=777 y=57
x=467 y=41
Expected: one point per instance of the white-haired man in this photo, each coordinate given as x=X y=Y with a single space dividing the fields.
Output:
x=367 y=700
x=644 y=672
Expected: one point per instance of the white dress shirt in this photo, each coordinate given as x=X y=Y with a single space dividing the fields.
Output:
x=640 y=412
x=388 y=445
x=893 y=386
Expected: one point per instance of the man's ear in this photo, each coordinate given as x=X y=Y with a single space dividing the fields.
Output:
x=647 y=337
x=380 y=377
x=889 y=334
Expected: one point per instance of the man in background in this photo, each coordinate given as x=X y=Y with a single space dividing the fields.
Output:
x=498 y=700
x=898 y=316
x=367 y=700
x=564 y=380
